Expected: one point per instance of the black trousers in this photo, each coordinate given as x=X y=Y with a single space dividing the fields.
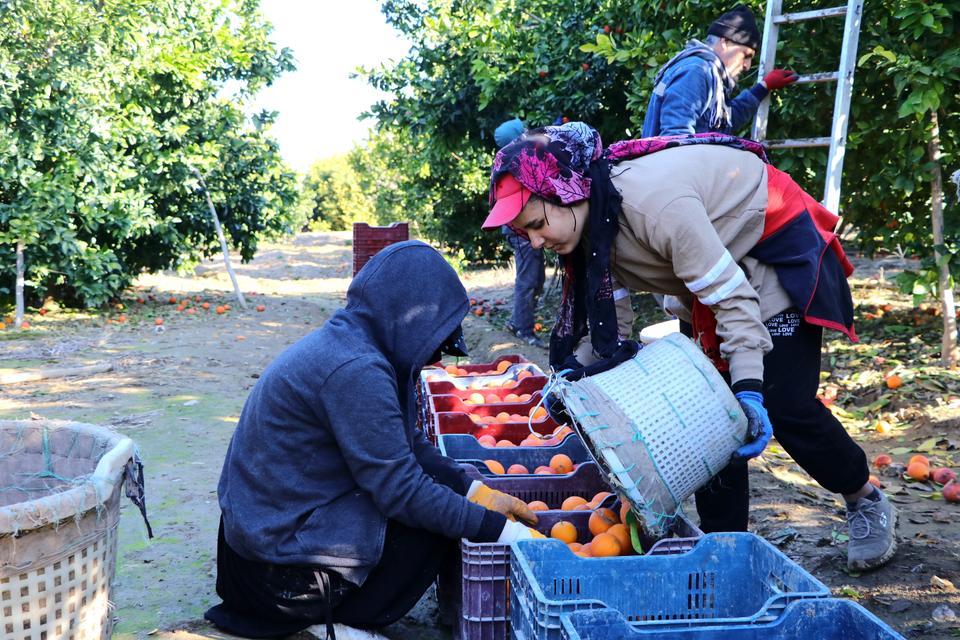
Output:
x=805 y=428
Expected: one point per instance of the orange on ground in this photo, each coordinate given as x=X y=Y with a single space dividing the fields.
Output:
x=494 y=466
x=24 y=325
x=918 y=471
x=604 y=545
x=517 y=469
x=564 y=531
x=538 y=505
x=158 y=321
x=505 y=443
x=919 y=458
x=221 y=310
x=622 y=534
x=602 y=519
x=943 y=475
x=882 y=461
x=205 y=305
x=172 y=300
x=572 y=503
x=561 y=463
x=894 y=382
x=874 y=480
x=951 y=492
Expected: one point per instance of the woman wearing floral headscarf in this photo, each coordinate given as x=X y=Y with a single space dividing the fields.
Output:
x=750 y=260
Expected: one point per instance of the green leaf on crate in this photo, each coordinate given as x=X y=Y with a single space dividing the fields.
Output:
x=899 y=451
x=634 y=532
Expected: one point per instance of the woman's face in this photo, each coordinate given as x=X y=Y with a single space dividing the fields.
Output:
x=551 y=226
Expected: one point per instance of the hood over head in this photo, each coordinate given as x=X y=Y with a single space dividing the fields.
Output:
x=410 y=301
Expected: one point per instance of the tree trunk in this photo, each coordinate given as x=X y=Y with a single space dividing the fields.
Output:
x=18 y=291
x=949 y=353
x=223 y=240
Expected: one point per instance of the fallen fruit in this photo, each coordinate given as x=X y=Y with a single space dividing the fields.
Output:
x=951 y=492
x=261 y=307
x=874 y=480
x=918 y=471
x=172 y=300
x=894 y=382
x=221 y=310
x=158 y=321
x=43 y=311
x=205 y=305
x=943 y=475
x=24 y=325
x=882 y=460
x=919 y=458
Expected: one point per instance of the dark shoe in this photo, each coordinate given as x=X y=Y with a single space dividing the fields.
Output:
x=532 y=339
x=873 y=533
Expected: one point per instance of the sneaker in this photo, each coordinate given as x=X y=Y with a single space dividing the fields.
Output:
x=527 y=336
x=873 y=526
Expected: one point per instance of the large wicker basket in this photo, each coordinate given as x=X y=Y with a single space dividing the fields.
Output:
x=660 y=424
x=60 y=486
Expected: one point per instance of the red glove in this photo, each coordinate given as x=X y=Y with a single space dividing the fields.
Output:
x=779 y=78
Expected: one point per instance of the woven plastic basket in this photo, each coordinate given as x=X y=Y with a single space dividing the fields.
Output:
x=60 y=487
x=660 y=424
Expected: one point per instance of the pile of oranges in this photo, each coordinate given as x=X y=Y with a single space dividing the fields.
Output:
x=919 y=469
x=533 y=440
x=609 y=535
x=560 y=464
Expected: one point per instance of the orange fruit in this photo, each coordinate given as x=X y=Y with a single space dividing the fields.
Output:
x=543 y=471
x=503 y=365
x=475 y=419
x=158 y=321
x=517 y=469
x=600 y=497
x=474 y=398
x=918 y=471
x=622 y=534
x=562 y=432
x=487 y=441
x=505 y=443
x=624 y=509
x=191 y=311
x=882 y=461
x=24 y=325
x=509 y=384
x=538 y=505
x=602 y=519
x=874 y=480
x=205 y=305
x=564 y=531
x=503 y=416
x=572 y=503
x=122 y=318
x=2 y=326
x=894 y=382
x=523 y=374
x=226 y=307
x=525 y=397
x=574 y=546
x=919 y=458
x=561 y=463
x=951 y=492
x=492 y=398
x=451 y=369
x=172 y=300
x=604 y=545
x=511 y=397
x=585 y=551
x=538 y=413
x=494 y=466
x=221 y=310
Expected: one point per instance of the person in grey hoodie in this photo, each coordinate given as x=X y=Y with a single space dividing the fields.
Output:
x=335 y=507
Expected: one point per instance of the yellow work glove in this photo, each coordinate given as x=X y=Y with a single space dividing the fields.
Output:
x=512 y=508
x=513 y=531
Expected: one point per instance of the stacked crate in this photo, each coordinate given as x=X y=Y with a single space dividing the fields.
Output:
x=367 y=240
x=460 y=405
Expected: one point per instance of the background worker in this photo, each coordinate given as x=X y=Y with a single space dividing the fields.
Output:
x=335 y=507
x=754 y=260
x=692 y=92
x=530 y=267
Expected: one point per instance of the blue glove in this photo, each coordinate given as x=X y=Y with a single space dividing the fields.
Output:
x=759 y=429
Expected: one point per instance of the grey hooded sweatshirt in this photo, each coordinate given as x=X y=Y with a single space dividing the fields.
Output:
x=327 y=447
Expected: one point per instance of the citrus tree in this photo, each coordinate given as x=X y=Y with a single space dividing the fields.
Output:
x=104 y=108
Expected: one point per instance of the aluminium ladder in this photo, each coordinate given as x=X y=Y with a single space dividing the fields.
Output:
x=837 y=139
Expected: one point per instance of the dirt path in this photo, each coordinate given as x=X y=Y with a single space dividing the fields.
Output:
x=178 y=391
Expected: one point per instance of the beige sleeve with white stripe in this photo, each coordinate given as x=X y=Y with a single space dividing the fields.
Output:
x=683 y=235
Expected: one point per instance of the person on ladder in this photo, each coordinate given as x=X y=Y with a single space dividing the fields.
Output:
x=692 y=92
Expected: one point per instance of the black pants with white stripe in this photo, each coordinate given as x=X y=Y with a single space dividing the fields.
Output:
x=806 y=429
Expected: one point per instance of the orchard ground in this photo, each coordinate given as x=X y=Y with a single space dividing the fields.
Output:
x=178 y=391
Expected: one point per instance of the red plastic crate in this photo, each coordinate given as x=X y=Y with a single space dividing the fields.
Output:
x=515 y=432
x=445 y=387
x=455 y=404
x=368 y=240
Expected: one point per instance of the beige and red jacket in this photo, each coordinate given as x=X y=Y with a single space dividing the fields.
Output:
x=690 y=216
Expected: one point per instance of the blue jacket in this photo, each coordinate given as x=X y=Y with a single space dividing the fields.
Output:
x=692 y=95
x=327 y=447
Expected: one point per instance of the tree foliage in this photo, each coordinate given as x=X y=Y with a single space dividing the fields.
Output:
x=332 y=190
x=104 y=107
x=475 y=63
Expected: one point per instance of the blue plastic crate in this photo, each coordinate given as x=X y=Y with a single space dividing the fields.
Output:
x=465 y=448
x=823 y=619
x=726 y=578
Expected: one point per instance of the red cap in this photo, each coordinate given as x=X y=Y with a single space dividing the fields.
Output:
x=510 y=198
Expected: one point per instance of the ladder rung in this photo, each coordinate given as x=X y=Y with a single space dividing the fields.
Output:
x=826 y=76
x=803 y=16
x=797 y=143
